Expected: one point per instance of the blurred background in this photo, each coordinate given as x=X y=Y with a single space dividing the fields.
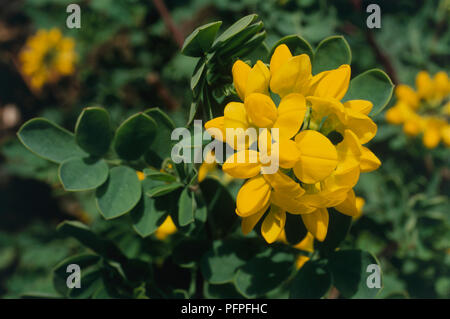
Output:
x=125 y=57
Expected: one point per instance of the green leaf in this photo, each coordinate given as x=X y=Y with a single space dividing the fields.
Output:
x=78 y=174
x=149 y=214
x=84 y=235
x=163 y=189
x=219 y=205
x=197 y=75
x=296 y=44
x=312 y=281
x=93 y=131
x=350 y=273
x=120 y=193
x=48 y=140
x=186 y=207
x=338 y=228
x=60 y=273
x=200 y=41
x=295 y=229
x=373 y=85
x=91 y=281
x=221 y=262
x=331 y=53
x=237 y=27
x=161 y=146
x=134 y=136
x=156 y=175
x=264 y=273
x=227 y=291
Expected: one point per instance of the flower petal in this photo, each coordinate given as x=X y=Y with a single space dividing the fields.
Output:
x=432 y=134
x=424 y=84
x=318 y=157
x=288 y=153
x=307 y=243
x=317 y=223
x=361 y=125
x=290 y=204
x=361 y=106
x=279 y=57
x=283 y=183
x=291 y=113
x=273 y=224
x=261 y=110
x=334 y=84
x=216 y=128
x=292 y=76
x=369 y=162
x=253 y=196
x=407 y=95
x=240 y=73
x=242 y=164
x=349 y=153
x=348 y=206
x=258 y=79
x=248 y=223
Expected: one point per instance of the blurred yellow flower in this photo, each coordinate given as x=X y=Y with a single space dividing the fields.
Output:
x=426 y=110
x=47 y=56
x=166 y=229
x=320 y=143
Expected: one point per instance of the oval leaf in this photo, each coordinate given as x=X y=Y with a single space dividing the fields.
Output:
x=237 y=27
x=120 y=193
x=201 y=39
x=312 y=281
x=93 y=131
x=134 y=136
x=331 y=53
x=186 y=207
x=373 y=85
x=48 y=140
x=78 y=174
x=352 y=274
x=163 y=189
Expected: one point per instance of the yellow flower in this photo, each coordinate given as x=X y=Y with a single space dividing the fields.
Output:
x=166 y=229
x=319 y=146
x=47 y=56
x=424 y=111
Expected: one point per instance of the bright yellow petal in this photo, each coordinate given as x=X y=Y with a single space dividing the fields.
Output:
x=240 y=73
x=289 y=203
x=253 y=196
x=280 y=56
x=300 y=261
x=394 y=115
x=248 y=223
x=317 y=223
x=325 y=106
x=446 y=134
x=288 y=153
x=261 y=110
x=291 y=113
x=349 y=153
x=348 y=206
x=243 y=164
x=283 y=183
x=235 y=116
x=335 y=83
x=361 y=106
x=258 y=79
x=273 y=224
x=167 y=228
x=318 y=157
x=292 y=76
x=369 y=162
x=307 y=243
x=361 y=125
x=216 y=128
x=359 y=206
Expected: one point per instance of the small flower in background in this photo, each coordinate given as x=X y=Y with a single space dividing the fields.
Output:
x=426 y=110
x=46 y=57
x=320 y=143
x=166 y=229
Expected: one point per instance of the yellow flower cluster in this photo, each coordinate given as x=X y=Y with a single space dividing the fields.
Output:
x=320 y=143
x=426 y=110
x=46 y=56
